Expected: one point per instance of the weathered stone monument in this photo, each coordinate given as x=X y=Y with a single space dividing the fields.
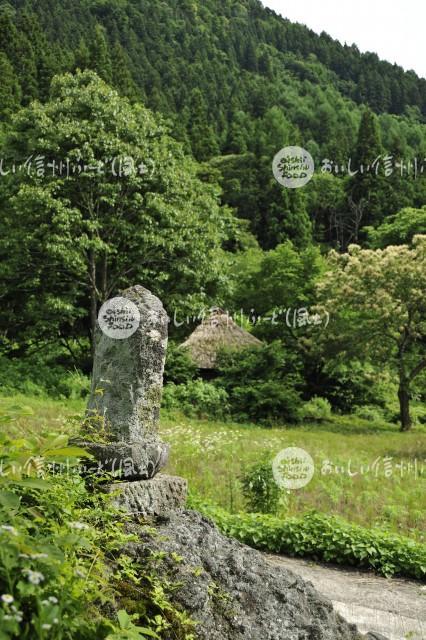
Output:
x=230 y=590
x=127 y=381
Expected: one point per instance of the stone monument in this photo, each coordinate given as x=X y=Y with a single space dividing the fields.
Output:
x=234 y=592
x=124 y=403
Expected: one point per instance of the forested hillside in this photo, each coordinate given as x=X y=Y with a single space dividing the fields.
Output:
x=237 y=82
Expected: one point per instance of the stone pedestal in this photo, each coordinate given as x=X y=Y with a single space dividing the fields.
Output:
x=124 y=405
x=157 y=496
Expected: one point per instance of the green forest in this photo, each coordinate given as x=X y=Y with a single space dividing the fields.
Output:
x=137 y=144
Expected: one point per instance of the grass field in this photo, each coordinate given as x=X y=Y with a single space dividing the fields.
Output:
x=212 y=456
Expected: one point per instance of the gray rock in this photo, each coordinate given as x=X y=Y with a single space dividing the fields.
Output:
x=130 y=371
x=155 y=497
x=231 y=590
x=126 y=390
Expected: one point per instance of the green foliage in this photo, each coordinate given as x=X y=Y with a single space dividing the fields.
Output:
x=285 y=276
x=89 y=234
x=39 y=376
x=262 y=383
x=63 y=573
x=368 y=412
x=196 y=398
x=399 y=228
x=323 y=537
x=254 y=84
x=326 y=202
x=316 y=410
x=179 y=367
x=9 y=89
x=130 y=631
x=380 y=311
x=260 y=490
x=349 y=383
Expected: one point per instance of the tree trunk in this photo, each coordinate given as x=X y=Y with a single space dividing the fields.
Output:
x=404 y=406
x=104 y=276
x=93 y=301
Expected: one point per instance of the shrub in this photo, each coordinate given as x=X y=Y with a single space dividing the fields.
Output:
x=269 y=402
x=262 y=383
x=33 y=376
x=368 y=412
x=351 y=384
x=73 y=385
x=260 y=490
x=196 y=399
x=316 y=409
x=179 y=367
x=323 y=537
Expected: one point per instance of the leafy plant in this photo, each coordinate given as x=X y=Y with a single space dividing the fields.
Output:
x=62 y=566
x=323 y=537
x=316 y=409
x=196 y=399
x=260 y=490
x=179 y=367
x=262 y=383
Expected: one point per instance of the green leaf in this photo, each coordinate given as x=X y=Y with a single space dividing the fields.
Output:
x=33 y=483
x=10 y=500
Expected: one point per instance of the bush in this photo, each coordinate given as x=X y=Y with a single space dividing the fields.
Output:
x=34 y=376
x=260 y=490
x=262 y=383
x=179 y=367
x=348 y=385
x=269 y=402
x=316 y=409
x=371 y=413
x=197 y=399
x=325 y=538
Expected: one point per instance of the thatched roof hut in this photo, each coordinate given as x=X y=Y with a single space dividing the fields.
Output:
x=216 y=332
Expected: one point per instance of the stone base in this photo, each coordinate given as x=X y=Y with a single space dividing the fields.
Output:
x=157 y=496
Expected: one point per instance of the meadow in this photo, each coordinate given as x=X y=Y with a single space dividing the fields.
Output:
x=369 y=473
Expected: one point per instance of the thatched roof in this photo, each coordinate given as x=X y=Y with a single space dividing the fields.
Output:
x=216 y=332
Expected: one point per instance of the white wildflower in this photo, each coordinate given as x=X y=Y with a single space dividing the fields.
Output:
x=35 y=577
x=46 y=626
x=53 y=600
x=78 y=525
x=7 y=598
x=9 y=528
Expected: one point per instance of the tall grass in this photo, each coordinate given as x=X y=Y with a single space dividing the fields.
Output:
x=213 y=456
